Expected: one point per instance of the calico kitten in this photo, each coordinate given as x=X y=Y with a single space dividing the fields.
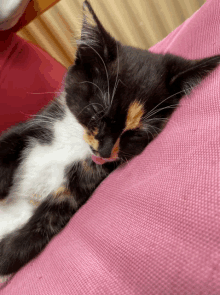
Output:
x=115 y=101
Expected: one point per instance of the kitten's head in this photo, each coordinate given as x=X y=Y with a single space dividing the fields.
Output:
x=122 y=95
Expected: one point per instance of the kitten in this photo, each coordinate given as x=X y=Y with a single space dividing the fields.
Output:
x=116 y=100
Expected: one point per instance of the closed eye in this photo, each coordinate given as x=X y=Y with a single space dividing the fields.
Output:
x=93 y=118
x=96 y=107
x=134 y=134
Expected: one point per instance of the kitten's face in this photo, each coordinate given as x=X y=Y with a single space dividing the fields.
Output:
x=123 y=96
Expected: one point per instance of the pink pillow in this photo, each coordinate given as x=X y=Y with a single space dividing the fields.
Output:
x=152 y=227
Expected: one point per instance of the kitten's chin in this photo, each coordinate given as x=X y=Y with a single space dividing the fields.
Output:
x=101 y=161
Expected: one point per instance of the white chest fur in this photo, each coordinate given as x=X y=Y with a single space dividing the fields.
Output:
x=43 y=171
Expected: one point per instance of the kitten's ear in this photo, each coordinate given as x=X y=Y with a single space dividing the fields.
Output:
x=186 y=74
x=95 y=43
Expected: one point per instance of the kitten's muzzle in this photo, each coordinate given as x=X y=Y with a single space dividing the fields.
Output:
x=106 y=147
x=109 y=153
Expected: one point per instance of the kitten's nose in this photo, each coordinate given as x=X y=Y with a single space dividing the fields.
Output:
x=105 y=148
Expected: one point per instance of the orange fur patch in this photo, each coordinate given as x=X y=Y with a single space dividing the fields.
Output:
x=35 y=203
x=61 y=193
x=87 y=167
x=60 y=190
x=90 y=138
x=115 y=149
x=135 y=113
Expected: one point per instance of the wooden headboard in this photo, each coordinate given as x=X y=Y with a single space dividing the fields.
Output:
x=34 y=9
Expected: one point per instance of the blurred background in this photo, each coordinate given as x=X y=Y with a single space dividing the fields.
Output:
x=140 y=23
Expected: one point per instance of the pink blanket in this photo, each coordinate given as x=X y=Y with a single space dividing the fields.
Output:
x=152 y=227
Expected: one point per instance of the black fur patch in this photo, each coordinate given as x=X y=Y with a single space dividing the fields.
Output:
x=17 y=139
x=12 y=144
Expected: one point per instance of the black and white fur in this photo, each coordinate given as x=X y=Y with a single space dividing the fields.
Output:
x=42 y=155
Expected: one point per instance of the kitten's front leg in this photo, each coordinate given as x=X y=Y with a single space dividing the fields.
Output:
x=24 y=244
x=20 y=246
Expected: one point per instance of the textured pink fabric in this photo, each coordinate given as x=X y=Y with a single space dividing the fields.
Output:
x=152 y=227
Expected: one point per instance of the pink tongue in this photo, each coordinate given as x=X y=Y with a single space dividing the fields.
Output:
x=101 y=161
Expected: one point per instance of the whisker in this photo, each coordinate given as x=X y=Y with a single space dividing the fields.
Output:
x=158 y=110
x=45 y=117
x=126 y=154
x=102 y=111
x=116 y=80
x=150 y=133
x=92 y=84
x=125 y=160
x=55 y=92
x=105 y=100
x=166 y=99
x=107 y=75
x=149 y=125
x=157 y=119
x=93 y=103
x=155 y=130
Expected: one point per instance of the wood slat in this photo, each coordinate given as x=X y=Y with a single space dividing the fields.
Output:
x=140 y=23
